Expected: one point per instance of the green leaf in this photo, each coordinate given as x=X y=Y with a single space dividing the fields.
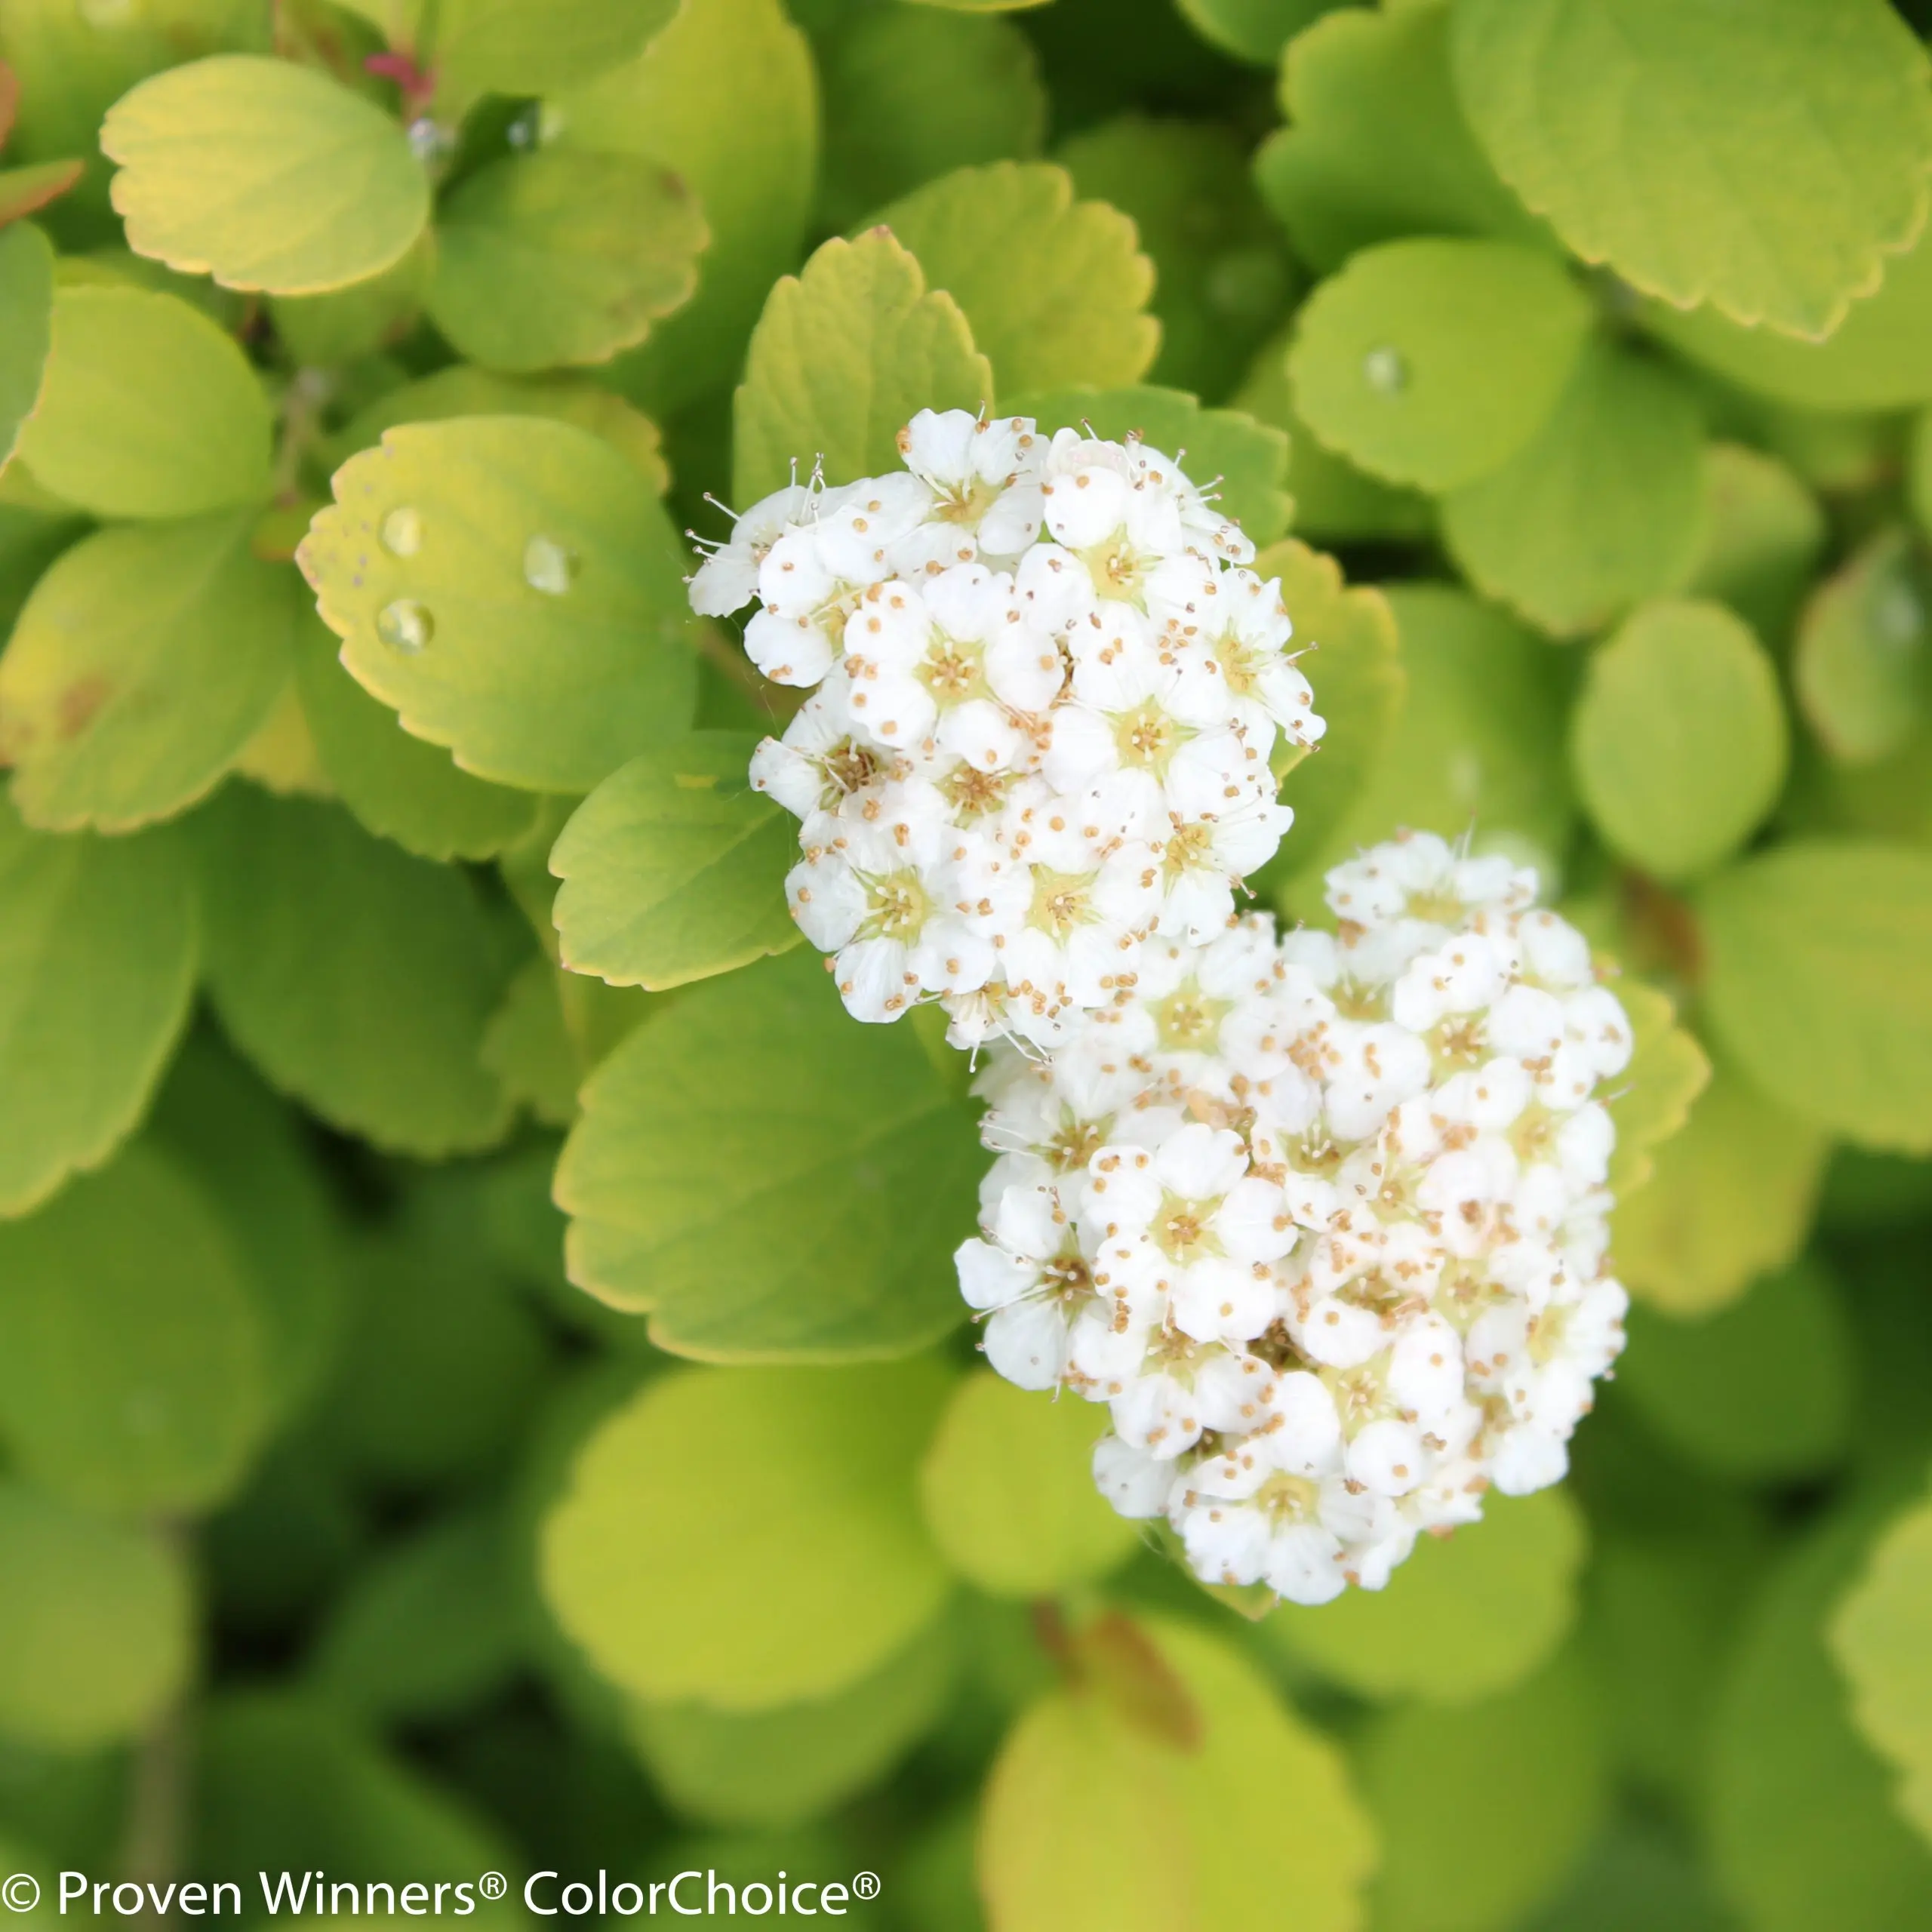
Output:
x=1351 y=636
x=1769 y=173
x=513 y=589
x=673 y=868
x=264 y=175
x=777 y=1558
x=358 y=979
x=97 y=1625
x=1665 y=791
x=844 y=356
x=528 y=1048
x=1731 y=1197
x=26 y=308
x=360 y=320
x=1182 y=1815
x=1879 y=357
x=1878 y=1635
x=1247 y=457
x=1601 y=509
x=145 y=659
x=909 y=96
x=1465 y=1617
x=283 y=1783
x=1763 y=532
x=1434 y=362
x=1813 y=955
x=251 y=1155
x=1760 y=1390
x=430 y=1628
x=133 y=1381
x=1222 y=278
x=1478 y=741
x=148 y=409
x=769 y=1181
x=1480 y=1811
x=796 y=1761
x=1007 y=1488
x=1253 y=30
x=463 y=391
x=1862 y=670
x=25 y=191
x=1054 y=290
x=1377 y=147
x=445 y=1356
x=1332 y=500
x=726 y=96
x=551 y=258
x=1668 y=1070
x=398 y=786
x=99 y=947
x=510 y=47
x=1802 y=1827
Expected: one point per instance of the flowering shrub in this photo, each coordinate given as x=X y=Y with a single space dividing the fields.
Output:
x=1321 y=620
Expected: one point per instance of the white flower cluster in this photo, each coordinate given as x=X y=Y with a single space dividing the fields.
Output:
x=1045 y=691
x=1322 y=1218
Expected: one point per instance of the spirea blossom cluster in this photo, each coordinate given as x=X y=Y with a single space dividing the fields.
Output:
x=1045 y=688
x=1320 y=1218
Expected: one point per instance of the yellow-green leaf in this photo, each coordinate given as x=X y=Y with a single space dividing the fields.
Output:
x=396 y=785
x=1666 y=791
x=751 y=1537
x=1377 y=147
x=357 y=978
x=511 y=47
x=145 y=659
x=1055 y=290
x=554 y=258
x=512 y=587
x=795 y=1761
x=97 y=1625
x=1668 y=1070
x=1814 y=981
x=1760 y=1389
x=1464 y=1618
x=99 y=946
x=264 y=175
x=1179 y=1817
x=726 y=97
x=1863 y=670
x=1769 y=172
x=26 y=308
x=1730 y=1197
x=1603 y=506
x=673 y=868
x=1763 y=531
x=769 y=1181
x=148 y=409
x=1878 y=1634
x=844 y=356
x=1007 y=1488
x=134 y=1379
x=1434 y=362
x=1350 y=636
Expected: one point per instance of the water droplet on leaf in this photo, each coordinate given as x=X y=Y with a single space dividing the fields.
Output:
x=405 y=625
x=1386 y=370
x=549 y=567
x=402 y=531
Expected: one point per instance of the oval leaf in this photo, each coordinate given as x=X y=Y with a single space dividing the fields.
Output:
x=512 y=587
x=264 y=175
x=674 y=869
x=780 y=1557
